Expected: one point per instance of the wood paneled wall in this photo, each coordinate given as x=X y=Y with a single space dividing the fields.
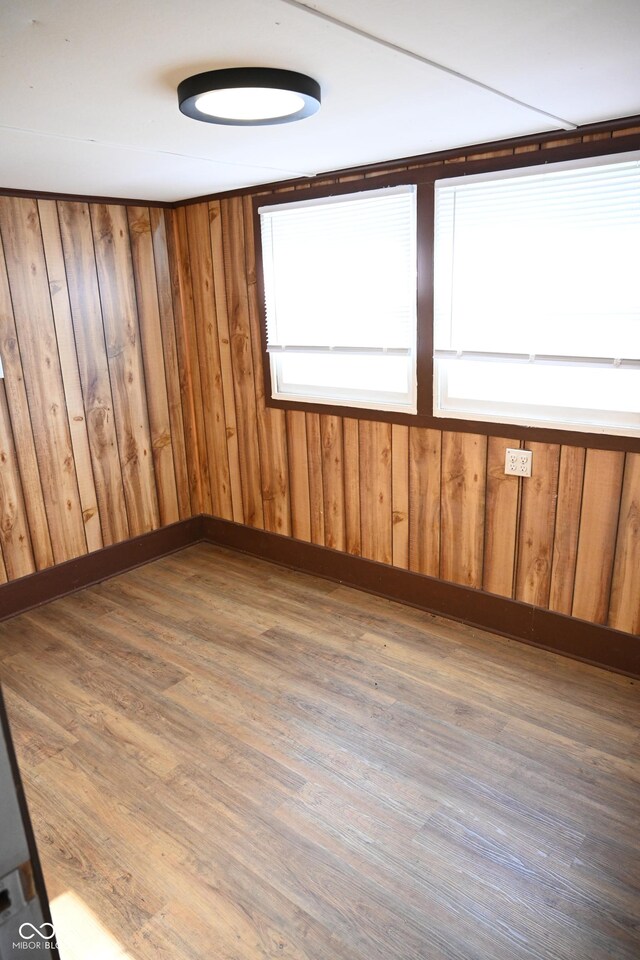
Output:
x=92 y=448
x=431 y=501
x=134 y=398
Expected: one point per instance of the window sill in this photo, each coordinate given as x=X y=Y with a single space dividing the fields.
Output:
x=552 y=435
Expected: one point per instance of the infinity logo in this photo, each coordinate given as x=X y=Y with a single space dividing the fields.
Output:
x=40 y=932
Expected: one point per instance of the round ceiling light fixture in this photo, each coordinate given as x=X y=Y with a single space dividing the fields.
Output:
x=249 y=96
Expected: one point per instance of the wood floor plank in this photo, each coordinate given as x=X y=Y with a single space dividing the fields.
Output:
x=37 y=737
x=228 y=759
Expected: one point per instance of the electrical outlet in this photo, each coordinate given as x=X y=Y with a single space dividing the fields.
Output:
x=517 y=463
x=12 y=898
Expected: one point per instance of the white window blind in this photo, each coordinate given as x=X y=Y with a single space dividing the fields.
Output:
x=537 y=296
x=340 y=298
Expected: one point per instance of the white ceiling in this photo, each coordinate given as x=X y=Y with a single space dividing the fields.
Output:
x=88 y=99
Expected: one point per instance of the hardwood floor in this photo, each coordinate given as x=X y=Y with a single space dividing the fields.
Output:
x=226 y=760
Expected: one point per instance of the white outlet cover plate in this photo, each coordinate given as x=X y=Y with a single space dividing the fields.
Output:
x=517 y=462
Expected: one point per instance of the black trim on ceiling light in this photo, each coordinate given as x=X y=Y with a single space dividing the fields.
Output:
x=307 y=91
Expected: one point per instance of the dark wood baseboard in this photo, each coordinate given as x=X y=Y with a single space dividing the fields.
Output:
x=578 y=639
x=17 y=596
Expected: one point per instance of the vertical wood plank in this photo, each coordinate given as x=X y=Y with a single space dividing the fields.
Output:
x=86 y=313
x=29 y=286
x=565 y=542
x=242 y=359
x=170 y=351
x=187 y=350
x=602 y=488
x=501 y=521
x=274 y=469
x=376 y=490
x=333 y=481
x=14 y=533
x=18 y=406
x=70 y=374
x=146 y=286
x=3 y=569
x=122 y=334
x=537 y=523
x=272 y=433
x=351 y=460
x=425 y=456
x=400 y=494
x=206 y=325
x=316 y=495
x=464 y=458
x=624 y=612
x=226 y=369
x=298 y=475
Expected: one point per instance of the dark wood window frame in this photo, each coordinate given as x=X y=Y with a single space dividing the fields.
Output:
x=424 y=173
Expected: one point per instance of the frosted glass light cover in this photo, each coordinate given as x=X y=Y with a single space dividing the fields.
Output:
x=249 y=103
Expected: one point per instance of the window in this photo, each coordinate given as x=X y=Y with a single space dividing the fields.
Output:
x=340 y=294
x=537 y=296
